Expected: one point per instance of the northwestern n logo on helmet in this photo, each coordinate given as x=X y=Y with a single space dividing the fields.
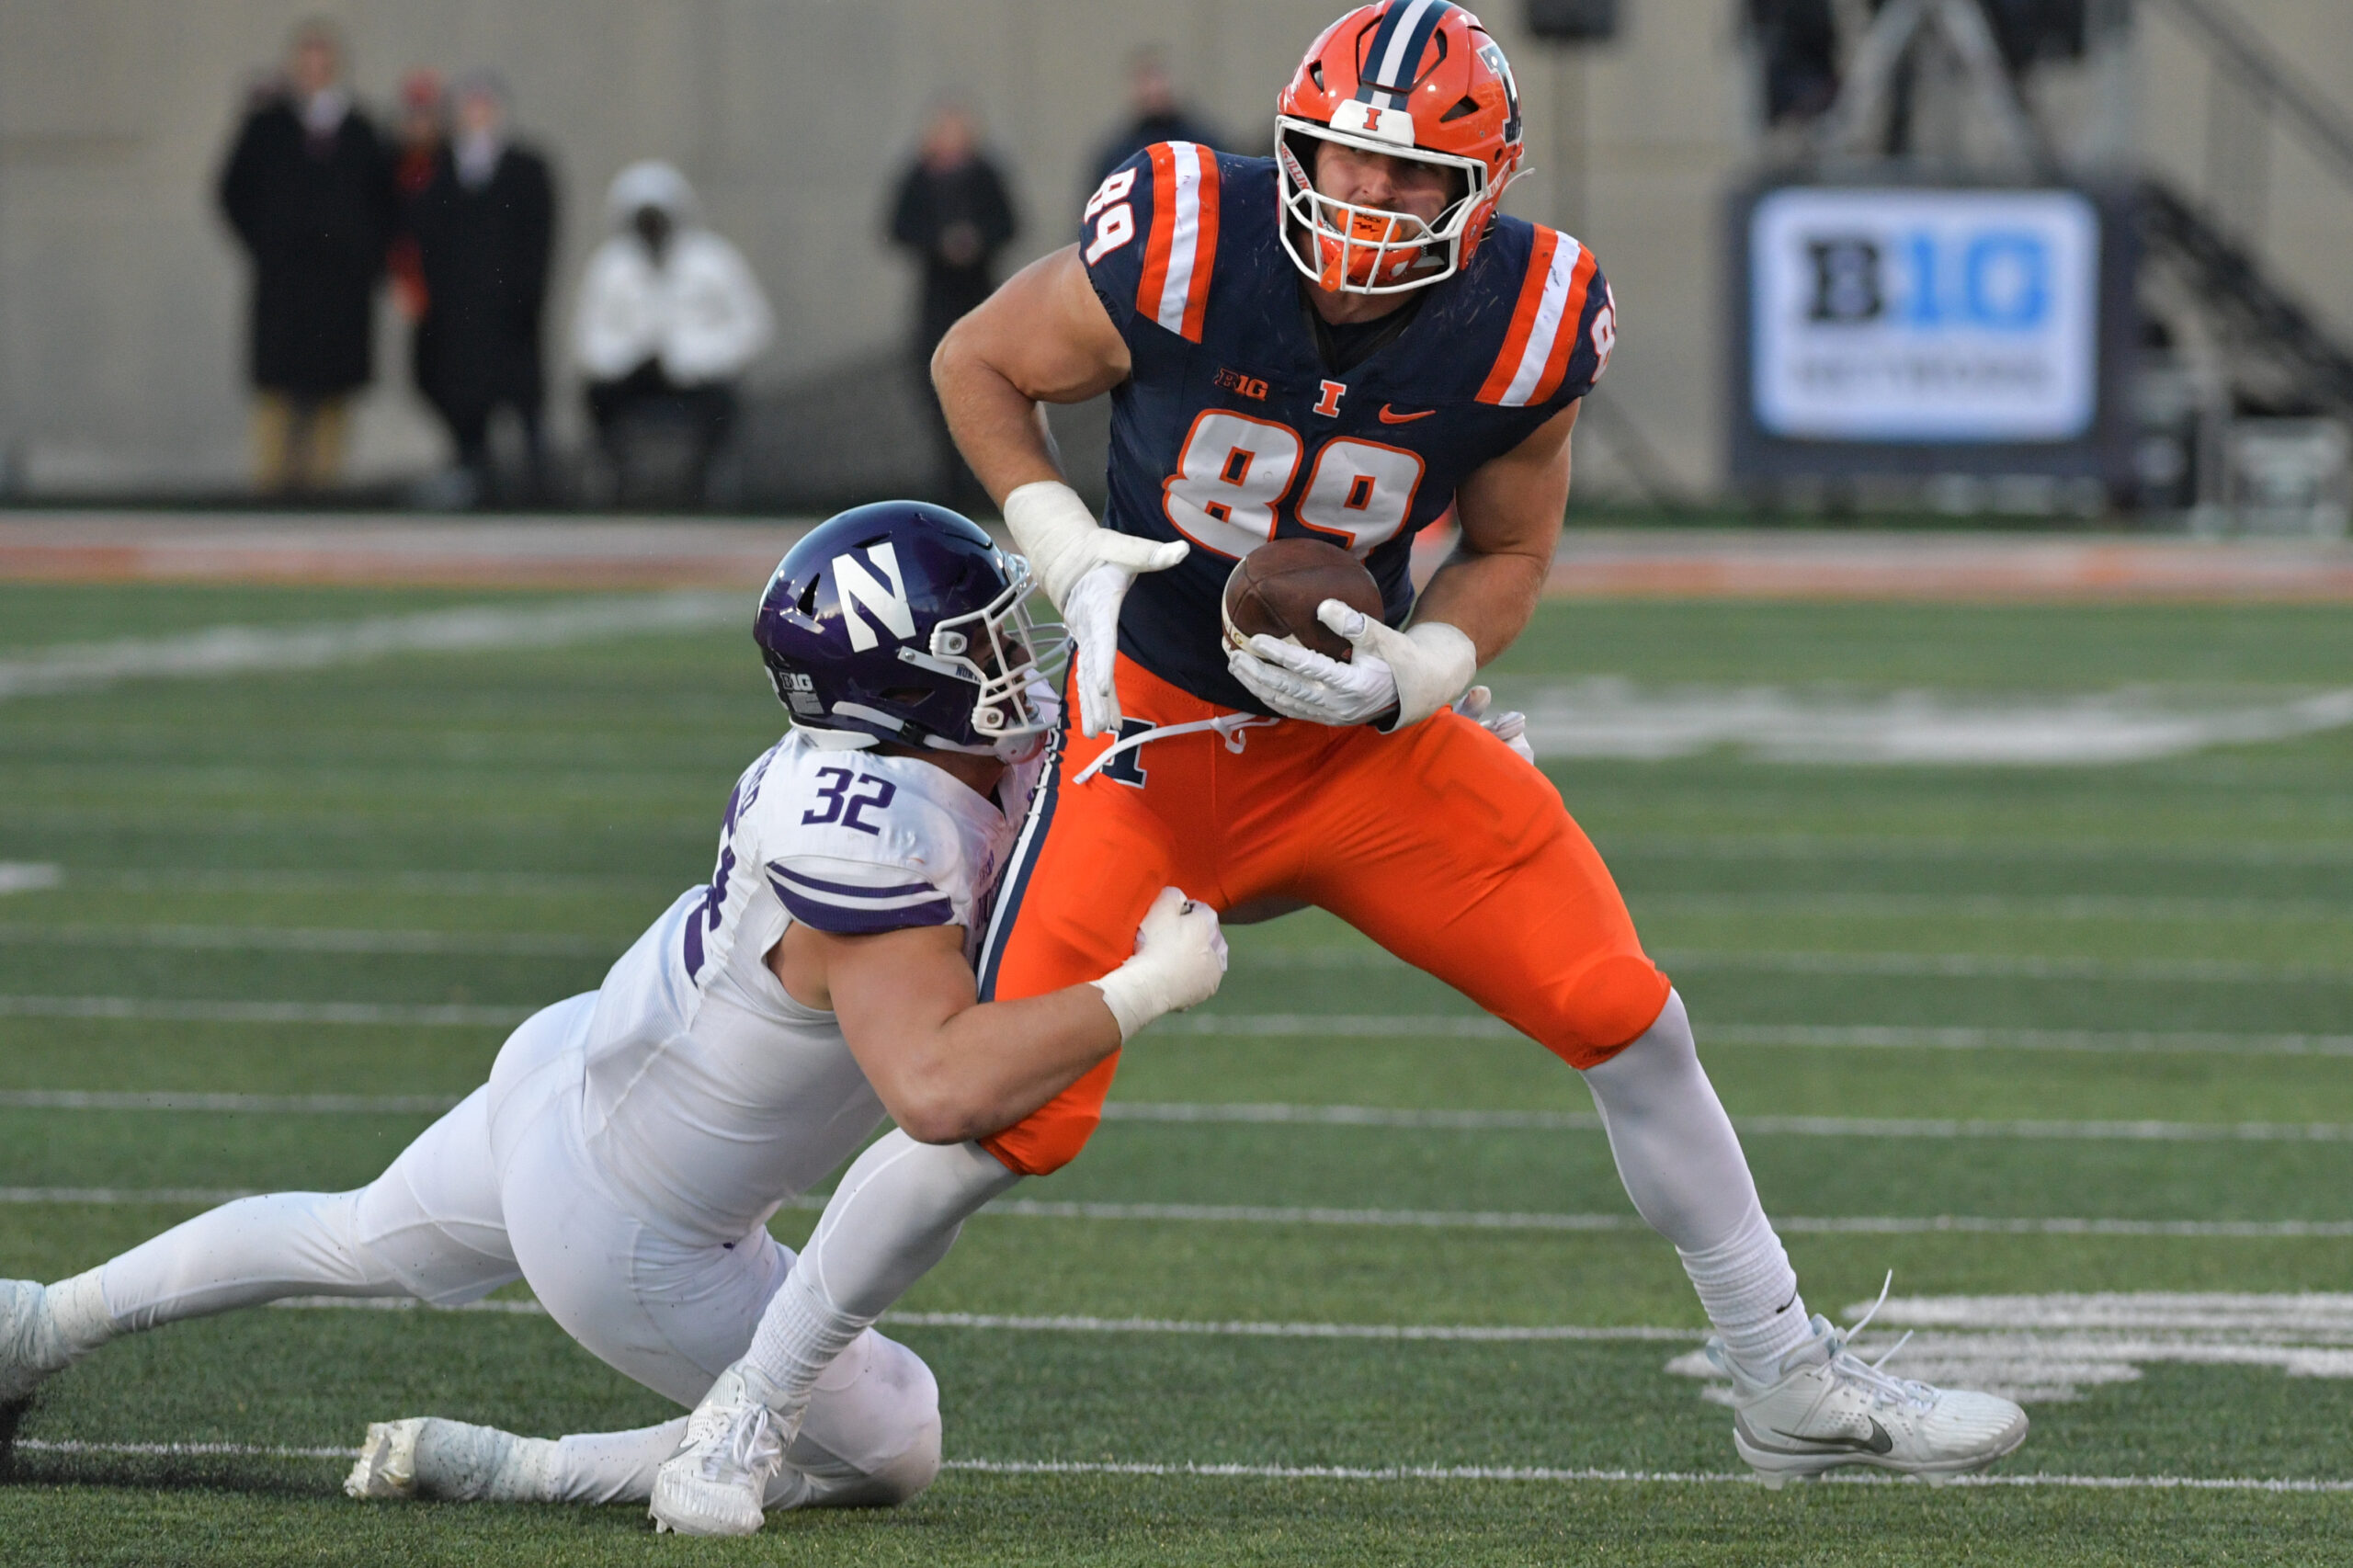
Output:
x=859 y=589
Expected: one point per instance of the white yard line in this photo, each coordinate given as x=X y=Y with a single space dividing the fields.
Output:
x=30 y=876
x=1415 y=1218
x=1958 y=966
x=1214 y=1025
x=1292 y=1115
x=1215 y=1471
x=162 y=1010
x=1816 y=849
x=1998 y=906
x=244 y=650
x=1610 y=716
x=312 y=939
x=197 y=1100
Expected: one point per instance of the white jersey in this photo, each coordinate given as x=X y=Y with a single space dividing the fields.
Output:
x=709 y=1095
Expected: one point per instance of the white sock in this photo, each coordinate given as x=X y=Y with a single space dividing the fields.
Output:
x=894 y=1215
x=77 y=1311
x=1683 y=1166
x=1751 y=1294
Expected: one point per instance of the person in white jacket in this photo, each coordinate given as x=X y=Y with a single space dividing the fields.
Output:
x=670 y=317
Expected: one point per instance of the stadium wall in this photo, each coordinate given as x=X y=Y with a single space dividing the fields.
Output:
x=121 y=294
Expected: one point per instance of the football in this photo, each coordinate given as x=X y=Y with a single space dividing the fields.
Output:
x=1276 y=587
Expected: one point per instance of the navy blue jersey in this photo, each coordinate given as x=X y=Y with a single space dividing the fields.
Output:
x=1232 y=431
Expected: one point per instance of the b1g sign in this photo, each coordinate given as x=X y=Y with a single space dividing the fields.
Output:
x=1897 y=328
x=1946 y=316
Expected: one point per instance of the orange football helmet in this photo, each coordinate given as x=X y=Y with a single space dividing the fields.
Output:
x=1413 y=79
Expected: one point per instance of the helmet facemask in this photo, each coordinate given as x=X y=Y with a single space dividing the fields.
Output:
x=1008 y=657
x=1373 y=250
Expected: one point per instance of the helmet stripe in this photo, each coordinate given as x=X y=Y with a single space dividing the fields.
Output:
x=1403 y=36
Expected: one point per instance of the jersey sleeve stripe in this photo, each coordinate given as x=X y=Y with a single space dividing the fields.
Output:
x=1204 y=247
x=1497 y=386
x=843 y=921
x=808 y=883
x=1153 y=284
x=1174 y=286
x=1566 y=326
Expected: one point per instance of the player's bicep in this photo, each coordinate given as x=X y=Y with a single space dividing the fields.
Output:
x=1045 y=332
x=891 y=993
x=1514 y=505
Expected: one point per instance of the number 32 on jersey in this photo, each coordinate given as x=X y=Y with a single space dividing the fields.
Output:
x=1234 y=472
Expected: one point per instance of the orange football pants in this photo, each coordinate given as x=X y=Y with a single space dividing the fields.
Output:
x=1438 y=842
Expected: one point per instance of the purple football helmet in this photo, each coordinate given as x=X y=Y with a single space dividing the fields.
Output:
x=904 y=622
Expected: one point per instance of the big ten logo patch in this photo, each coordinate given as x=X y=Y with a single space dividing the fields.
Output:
x=1251 y=387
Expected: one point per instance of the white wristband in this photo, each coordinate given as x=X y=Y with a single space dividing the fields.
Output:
x=1054 y=527
x=1447 y=663
x=1133 y=999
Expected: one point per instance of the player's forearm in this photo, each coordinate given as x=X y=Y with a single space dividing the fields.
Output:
x=993 y=1063
x=1491 y=598
x=1000 y=429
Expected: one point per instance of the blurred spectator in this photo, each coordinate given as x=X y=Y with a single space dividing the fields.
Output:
x=1155 y=115
x=307 y=189
x=953 y=212
x=669 y=316
x=484 y=227
x=1799 y=42
x=423 y=107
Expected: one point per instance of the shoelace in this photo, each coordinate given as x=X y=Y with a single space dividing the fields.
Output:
x=1849 y=1367
x=751 y=1446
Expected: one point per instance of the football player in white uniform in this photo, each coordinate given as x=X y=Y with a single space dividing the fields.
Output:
x=631 y=1145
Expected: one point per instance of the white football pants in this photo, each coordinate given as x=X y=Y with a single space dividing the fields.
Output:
x=501 y=1188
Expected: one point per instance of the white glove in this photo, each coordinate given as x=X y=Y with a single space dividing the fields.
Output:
x=1510 y=726
x=1085 y=570
x=1417 y=672
x=1180 y=958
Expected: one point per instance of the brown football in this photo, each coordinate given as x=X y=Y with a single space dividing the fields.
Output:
x=1276 y=587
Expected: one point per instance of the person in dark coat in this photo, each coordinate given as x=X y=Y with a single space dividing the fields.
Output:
x=952 y=210
x=1154 y=115
x=307 y=189
x=484 y=227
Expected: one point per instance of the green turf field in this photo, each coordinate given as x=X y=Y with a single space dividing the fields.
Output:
x=2011 y=1032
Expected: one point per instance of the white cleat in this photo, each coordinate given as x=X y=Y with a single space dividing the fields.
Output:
x=734 y=1446
x=1830 y=1408
x=452 y=1461
x=31 y=1350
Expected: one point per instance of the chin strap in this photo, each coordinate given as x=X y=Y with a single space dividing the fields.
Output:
x=1229 y=727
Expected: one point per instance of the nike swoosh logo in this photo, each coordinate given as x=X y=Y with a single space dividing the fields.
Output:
x=1878 y=1442
x=1390 y=416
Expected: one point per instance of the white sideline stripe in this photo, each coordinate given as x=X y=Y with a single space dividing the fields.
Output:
x=238 y=649
x=1610 y=716
x=28 y=876
x=1292 y=1115
x=1414 y=1219
x=313 y=939
x=168 y=1011
x=1317 y=1472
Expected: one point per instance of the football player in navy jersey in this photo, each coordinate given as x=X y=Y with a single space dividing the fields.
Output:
x=1346 y=341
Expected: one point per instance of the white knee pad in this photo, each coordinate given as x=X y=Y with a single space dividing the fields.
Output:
x=871 y=1435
